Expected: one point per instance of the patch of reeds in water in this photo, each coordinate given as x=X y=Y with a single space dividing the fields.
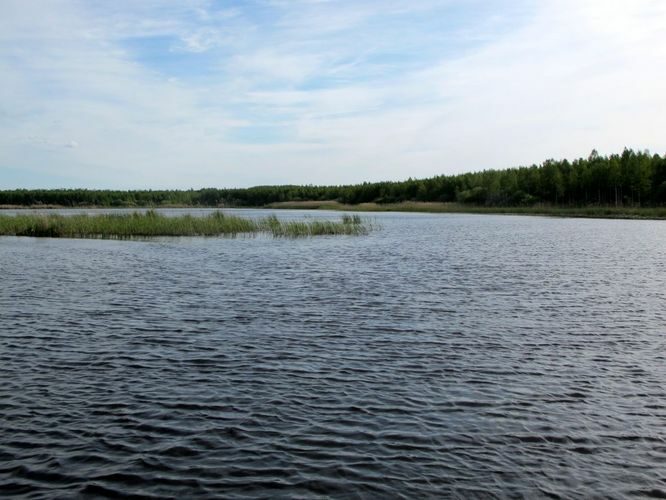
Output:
x=136 y=225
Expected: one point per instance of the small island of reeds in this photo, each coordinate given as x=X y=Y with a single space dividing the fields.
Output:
x=151 y=223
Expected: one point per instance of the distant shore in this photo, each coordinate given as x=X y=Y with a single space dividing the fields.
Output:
x=594 y=211
x=605 y=212
x=455 y=208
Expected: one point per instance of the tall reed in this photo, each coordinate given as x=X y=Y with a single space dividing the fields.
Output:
x=152 y=223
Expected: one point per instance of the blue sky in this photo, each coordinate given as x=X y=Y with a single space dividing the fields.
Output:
x=196 y=93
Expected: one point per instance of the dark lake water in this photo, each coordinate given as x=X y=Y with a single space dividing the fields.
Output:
x=440 y=356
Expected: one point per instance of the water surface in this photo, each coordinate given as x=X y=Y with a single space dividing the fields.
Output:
x=443 y=355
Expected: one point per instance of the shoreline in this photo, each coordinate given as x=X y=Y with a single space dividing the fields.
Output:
x=594 y=212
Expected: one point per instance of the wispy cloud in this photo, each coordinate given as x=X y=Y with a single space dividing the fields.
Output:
x=170 y=93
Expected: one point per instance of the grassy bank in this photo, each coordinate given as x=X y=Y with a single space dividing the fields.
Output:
x=606 y=212
x=594 y=211
x=153 y=224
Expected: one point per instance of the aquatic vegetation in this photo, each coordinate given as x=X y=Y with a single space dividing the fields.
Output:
x=351 y=219
x=152 y=223
x=602 y=212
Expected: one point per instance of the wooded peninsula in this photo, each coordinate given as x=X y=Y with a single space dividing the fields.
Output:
x=630 y=183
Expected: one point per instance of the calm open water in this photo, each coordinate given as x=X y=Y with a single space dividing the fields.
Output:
x=441 y=355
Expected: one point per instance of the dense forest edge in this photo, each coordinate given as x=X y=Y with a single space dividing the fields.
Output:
x=633 y=182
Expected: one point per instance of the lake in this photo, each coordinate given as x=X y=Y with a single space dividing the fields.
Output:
x=439 y=356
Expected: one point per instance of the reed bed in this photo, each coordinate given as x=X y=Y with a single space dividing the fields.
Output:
x=592 y=211
x=151 y=223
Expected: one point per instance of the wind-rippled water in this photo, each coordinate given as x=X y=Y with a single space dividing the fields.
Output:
x=442 y=355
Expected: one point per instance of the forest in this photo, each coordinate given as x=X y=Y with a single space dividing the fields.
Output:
x=632 y=179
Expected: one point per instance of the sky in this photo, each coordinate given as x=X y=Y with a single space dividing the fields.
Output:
x=183 y=94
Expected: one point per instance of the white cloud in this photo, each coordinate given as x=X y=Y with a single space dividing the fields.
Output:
x=570 y=76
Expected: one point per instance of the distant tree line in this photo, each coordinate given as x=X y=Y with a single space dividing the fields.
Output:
x=633 y=178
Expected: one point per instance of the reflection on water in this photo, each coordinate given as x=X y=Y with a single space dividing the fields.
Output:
x=442 y=355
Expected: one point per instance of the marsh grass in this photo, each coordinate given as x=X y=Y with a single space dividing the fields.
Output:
x=151 y=223
x=593 y=211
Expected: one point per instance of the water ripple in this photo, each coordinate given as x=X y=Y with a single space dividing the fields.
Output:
x=458 y=356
